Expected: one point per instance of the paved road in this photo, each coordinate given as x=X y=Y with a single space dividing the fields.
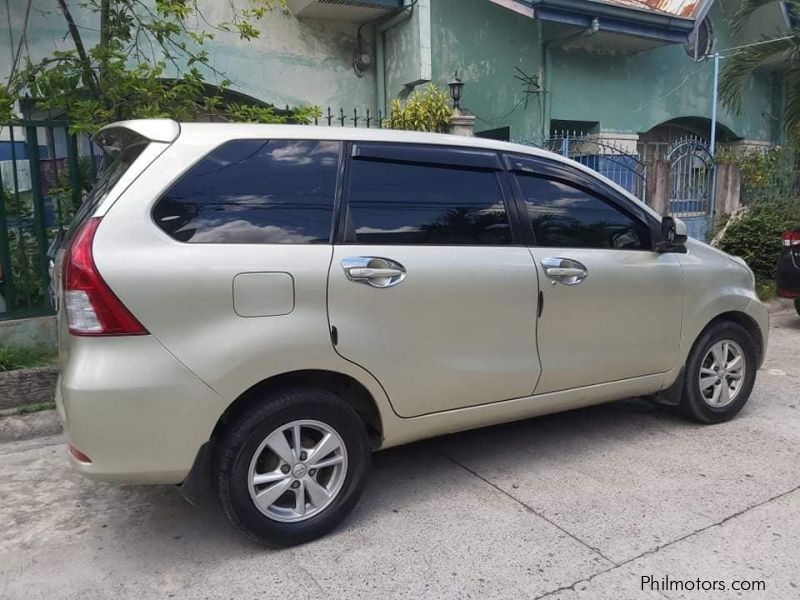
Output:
x=577 y=506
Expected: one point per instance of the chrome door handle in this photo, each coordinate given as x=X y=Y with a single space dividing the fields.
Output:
x=373 y=271
x=368 y=273
x=564 y=270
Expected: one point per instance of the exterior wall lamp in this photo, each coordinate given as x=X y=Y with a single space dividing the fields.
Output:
x=456 y=86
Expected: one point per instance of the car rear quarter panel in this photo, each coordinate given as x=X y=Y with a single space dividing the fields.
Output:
x=136 y=411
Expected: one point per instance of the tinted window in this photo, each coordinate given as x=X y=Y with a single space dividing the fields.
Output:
x=399 y=203
x=567 y=217
x=255 y=191
x=112 y=169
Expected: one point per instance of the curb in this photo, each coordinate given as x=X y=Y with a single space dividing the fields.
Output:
x=777 y=305
x=14 y=428
x=24 y=387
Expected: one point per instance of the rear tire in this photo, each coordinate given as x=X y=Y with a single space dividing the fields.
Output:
x=720 y=374
x=797 y=305
x=278 y=492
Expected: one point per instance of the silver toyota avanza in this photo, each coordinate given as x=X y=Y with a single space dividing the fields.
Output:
x=276 y=302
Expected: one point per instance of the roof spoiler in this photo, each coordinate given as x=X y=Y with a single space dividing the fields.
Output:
x=116 y=136
x=155 y=130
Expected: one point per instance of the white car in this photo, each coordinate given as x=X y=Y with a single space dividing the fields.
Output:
x=266 y=305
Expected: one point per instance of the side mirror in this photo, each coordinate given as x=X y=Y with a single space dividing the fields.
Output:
x=673 y=235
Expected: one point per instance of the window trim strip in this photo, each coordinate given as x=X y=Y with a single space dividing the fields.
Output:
x=429 y=154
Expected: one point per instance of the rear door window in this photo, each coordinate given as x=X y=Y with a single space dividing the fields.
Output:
x=425 y=204
x=255 y=192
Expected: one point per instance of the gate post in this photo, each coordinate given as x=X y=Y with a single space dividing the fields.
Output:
x=659 y=186
x=728 y=188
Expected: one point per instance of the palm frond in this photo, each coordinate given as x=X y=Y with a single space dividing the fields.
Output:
x=747 y=7
x=791 y=87
x=739 y=67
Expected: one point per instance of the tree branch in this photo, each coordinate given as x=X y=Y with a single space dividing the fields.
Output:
x=105 y=34
x=88 y=74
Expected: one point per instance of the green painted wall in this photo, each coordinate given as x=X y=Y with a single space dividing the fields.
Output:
x=294 y=61
x=310 y=61
x=407 y=52
x=624 y=91
x=632 y=93
x=484 y=42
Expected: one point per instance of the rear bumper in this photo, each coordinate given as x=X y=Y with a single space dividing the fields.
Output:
x=133 y=409
x=788 y=279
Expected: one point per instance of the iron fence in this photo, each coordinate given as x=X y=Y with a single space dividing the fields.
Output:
x=691 y=177
x=366 y=118
x=340 y=118
x=617 y=159
x=44 y=174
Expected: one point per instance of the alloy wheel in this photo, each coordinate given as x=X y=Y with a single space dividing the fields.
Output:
x=722 y=373
x=297 y=471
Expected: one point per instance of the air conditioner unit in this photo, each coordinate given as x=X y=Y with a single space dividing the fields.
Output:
x=356 y=11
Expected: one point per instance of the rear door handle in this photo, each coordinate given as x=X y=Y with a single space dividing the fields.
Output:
x=564 y=270
x=374 y=271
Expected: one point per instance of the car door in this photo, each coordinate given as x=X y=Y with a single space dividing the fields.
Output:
x=430 y=287
x=612 y=305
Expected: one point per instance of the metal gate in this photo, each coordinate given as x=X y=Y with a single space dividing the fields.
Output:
x=44 y=174
x=692 y=184
x=618 y=160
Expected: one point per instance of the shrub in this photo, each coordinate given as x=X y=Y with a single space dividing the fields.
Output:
x=755 y=234
x=767 y=173
x=427 y=110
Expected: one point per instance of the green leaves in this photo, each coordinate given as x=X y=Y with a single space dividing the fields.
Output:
x=748 y=7
x=6 y=104
x=428 y=110
x=766 y=175
x=245 y=113
x=739 y=67
x=148 y=63
x=755 y=235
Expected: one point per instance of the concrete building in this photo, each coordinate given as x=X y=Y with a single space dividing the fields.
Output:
x=633 y=69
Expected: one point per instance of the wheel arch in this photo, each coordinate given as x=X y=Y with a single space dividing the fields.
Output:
x=745 y=321
x=346 y=387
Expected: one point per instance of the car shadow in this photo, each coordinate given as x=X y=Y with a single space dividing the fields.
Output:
x=397 y=483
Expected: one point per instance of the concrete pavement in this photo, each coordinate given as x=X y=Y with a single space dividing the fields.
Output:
x=576 y=506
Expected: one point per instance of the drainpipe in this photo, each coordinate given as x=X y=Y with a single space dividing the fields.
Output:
x=713 y=141
x=547 y=101
x=380 y=50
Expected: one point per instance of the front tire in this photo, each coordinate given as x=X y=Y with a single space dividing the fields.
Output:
x=290 y=470
x=720 y=374
x=797 y=305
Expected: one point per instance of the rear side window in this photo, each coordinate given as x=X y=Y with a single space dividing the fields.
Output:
x=113 y=168
x=563 y=216
x=255 y=192
x=403 y=203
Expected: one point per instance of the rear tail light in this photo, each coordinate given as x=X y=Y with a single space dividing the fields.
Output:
x=92 y=308
x=790 y=238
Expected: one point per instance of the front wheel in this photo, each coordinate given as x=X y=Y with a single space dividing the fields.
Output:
x=720 y=374
x=293 y=468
